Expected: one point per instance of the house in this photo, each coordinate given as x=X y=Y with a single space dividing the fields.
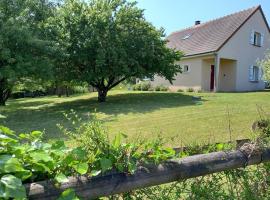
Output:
x=222 y=54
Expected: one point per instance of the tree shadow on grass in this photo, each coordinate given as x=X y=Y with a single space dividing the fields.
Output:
x=126 y=103
x=25 y=118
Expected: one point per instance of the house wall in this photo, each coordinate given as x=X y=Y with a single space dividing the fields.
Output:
x=191 y=79
x=206 y=73
x=246 y=54
x=227 y=75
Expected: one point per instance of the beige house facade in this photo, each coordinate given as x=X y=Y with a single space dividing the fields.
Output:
x=223 y=54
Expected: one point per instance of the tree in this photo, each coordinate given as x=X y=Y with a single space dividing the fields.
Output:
x=109 y=41
x=22 y=52
x=265 y=64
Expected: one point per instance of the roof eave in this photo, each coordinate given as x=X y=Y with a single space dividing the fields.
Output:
x=200 y=54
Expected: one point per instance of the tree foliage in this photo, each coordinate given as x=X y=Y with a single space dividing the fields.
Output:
x=109 y=41
x=265 y=64
x=24 y=49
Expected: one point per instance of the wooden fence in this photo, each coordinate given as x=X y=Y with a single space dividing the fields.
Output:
x=145 y=176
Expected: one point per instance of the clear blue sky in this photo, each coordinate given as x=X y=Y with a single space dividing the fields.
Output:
x=174 y=15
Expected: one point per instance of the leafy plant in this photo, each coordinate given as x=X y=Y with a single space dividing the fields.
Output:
x=180 y=90
x=161 y=88
x=190 y=90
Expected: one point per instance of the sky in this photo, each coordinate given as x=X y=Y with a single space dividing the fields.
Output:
x=175 y=15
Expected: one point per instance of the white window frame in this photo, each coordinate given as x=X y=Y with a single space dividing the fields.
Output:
x=255 y=73
x=257 y=38
x=188 y=69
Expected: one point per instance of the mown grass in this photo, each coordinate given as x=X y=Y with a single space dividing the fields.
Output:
x=175 y=116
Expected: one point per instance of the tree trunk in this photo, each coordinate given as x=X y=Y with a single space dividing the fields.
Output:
x=102 y=94
x=4 y=91
x=2 y=101
x=67 y=92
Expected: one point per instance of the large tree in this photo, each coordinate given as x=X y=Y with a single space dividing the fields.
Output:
x=109 y=41
x=23 y=51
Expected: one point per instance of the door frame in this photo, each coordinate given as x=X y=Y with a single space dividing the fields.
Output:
x=212 y=77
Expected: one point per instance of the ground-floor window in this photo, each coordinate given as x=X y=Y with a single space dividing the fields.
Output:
x=254 y=73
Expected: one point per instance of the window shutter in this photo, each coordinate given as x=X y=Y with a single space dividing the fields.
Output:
x=260 y=74
x=252 y=37
x=251 y=74
x=262 y=39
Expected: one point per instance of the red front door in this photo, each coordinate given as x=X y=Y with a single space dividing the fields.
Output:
x=212 y=79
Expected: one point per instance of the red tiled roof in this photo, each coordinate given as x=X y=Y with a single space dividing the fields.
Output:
x=210 y=36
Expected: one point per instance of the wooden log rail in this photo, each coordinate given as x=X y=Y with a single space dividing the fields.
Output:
x=172 y=170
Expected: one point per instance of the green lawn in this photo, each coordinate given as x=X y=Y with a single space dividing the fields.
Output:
x=175 y=116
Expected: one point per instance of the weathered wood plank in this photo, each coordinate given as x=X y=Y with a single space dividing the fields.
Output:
x=146 y=176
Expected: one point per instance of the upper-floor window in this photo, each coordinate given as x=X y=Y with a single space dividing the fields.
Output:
x=186 y=69
x=256 y=38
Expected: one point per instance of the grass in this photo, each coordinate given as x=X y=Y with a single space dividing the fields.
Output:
x=175 y=116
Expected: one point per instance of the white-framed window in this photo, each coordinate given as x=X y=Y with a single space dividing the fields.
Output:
x=255 y=73
x=186 y=69
x=257 y=38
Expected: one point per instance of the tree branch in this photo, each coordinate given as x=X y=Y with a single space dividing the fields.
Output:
x=116 y=83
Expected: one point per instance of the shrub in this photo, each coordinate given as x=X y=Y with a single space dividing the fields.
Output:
x=190 y=90
x=145 y=86
x=164 y=88
x=26 y=158
x=157 y=88
x=161 y=88
x=137 y=87
x=180 y=90
x=151 y=89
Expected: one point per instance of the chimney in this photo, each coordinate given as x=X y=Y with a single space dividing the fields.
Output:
x=197 y=22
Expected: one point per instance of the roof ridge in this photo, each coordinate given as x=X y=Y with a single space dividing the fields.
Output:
x=219 y=18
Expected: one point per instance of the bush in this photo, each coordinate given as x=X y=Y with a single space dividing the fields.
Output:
x=164 y=88
x=161 y=88
x=180 y=90
x=142 y=86
x=151 y=89
x=26 y=158
x=157 y=88
x=145 y=86
x=137 y=87
x=190 y=90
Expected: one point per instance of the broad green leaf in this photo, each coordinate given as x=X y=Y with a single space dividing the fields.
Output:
x=40 y=167
x=61 y=178
x=95 y=172
x=81 y=168
x=2 y=190
x=59 y=145
x=68 y=194
x=79 y=154
x=219 y=146
x=117 y=141
x=12 y=187
x=7 y=131
x=40 y=156
x=105 y=164
x=5 y=138
x=36 y=134
x=24 y=136
x=10 y=164
x=23 y=175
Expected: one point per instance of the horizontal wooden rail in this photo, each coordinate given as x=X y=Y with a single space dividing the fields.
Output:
x=146 y=176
